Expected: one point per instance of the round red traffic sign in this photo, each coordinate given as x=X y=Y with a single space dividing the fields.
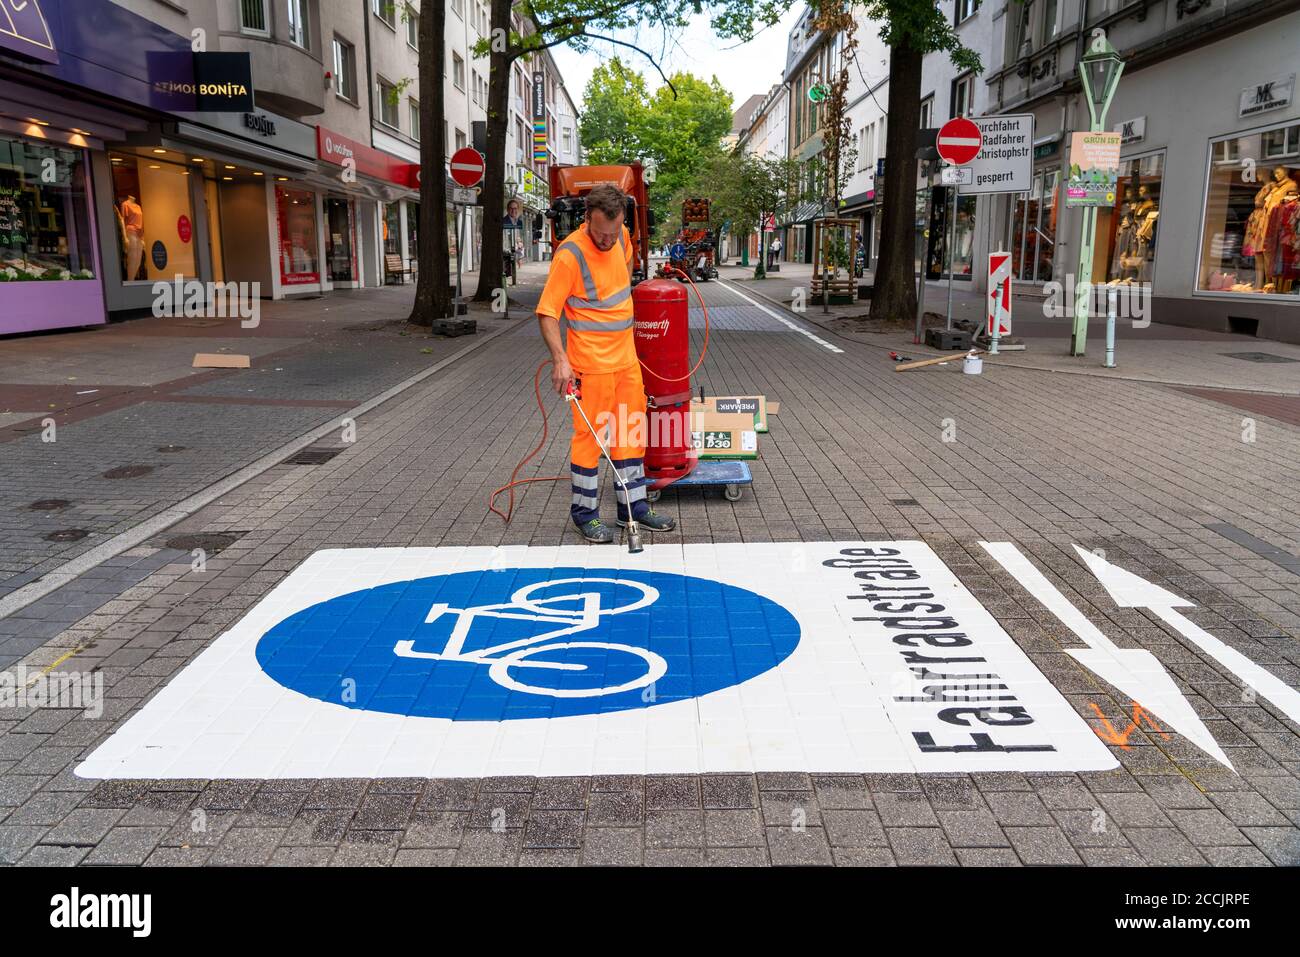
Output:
x=959 y=141
x=467 y=166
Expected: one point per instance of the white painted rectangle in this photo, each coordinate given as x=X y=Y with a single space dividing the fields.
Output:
x=844 y=699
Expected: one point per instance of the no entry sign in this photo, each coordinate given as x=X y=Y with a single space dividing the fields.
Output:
x=467 y=167
x=959 y=141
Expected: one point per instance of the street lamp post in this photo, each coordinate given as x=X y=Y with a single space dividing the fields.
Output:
x=1099 y=71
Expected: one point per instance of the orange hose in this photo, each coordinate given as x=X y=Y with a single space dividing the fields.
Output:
x=510 y=486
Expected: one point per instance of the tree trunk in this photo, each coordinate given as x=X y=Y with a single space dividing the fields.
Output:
x=894 y=292
x=433 y=298
x=500 y=67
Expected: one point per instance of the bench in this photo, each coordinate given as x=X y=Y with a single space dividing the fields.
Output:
x=394 y=270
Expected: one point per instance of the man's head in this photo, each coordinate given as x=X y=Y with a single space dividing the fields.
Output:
x=605 y=211
x=512 y=208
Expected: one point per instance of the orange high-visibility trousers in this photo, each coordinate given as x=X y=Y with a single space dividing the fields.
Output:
x=615 y=404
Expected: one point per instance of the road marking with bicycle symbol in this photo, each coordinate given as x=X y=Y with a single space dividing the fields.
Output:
x=469 y=662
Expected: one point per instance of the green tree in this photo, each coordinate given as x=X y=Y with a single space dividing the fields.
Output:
x=679 y=127
x=912 y=28
x=615 y=104
x=547 y=23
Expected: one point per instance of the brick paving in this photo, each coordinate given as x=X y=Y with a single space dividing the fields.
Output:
x=1039 y=459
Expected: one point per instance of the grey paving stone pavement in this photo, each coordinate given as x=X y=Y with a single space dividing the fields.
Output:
x=1042 y=460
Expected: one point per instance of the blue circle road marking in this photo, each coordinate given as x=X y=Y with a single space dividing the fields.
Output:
x=528 y=643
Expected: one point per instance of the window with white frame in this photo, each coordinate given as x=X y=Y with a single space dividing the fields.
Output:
x=460 y=139
x=963 y=96
x=927 y=112
x=964 y=9
x=388 y=103
x=252 y=17
x=567 y=138
x=1048 y=26
x=415 y=119
x=458 y=71
x=458 y=8
x=298 y=23
x=345 y=69
x=385 y=10
x=412 y=27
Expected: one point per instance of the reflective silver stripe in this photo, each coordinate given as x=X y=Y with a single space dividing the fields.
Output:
x=585 y=481
x=594 y=325
x=588 y=283
x=611 y=300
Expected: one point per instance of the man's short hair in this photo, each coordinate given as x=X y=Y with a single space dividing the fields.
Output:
x=608 y=199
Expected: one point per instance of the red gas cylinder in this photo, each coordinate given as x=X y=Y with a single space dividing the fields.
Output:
x=663 y=345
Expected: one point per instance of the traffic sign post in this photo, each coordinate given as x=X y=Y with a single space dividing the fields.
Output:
x=958 y=141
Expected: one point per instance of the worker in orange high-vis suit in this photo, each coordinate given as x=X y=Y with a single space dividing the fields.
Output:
x=590 y=286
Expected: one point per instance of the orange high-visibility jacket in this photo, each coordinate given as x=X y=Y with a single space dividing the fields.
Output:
x=593 y=291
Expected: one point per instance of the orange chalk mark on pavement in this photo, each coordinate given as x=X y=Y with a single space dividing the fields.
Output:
x=1120 y=738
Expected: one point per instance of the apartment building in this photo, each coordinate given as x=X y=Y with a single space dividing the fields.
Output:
x=867 y=98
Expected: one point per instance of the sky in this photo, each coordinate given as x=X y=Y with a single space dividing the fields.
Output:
x=743 y=69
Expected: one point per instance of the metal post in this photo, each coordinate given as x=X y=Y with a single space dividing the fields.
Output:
x=925 y=249
x=1083 y=283
x=460 y=258
x=995 y=334
x=1111 y=293
x=952 y=246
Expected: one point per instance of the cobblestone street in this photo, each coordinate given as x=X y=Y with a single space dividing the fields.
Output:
x=1182 y=485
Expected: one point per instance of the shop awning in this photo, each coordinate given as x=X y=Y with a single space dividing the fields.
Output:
x=802 y=213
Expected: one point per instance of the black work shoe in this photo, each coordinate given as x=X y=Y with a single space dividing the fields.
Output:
x=596 y=532
x=653 y=521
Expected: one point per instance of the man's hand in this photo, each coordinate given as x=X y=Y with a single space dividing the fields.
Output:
x=561 y=375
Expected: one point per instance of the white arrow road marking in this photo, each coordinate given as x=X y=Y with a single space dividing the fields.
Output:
x=1134 y=671
x=1129 y=591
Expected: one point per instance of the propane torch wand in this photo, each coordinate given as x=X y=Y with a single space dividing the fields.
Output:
x=633 y=529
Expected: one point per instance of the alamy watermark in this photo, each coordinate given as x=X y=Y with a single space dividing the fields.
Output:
x=80 y=690
x=1132 y=300
x=192 y=299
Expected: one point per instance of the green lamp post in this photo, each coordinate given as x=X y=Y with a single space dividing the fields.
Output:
x=1099 y=71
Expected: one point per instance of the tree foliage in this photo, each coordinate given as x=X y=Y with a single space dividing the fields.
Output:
x=679 y=128
x=548 y=23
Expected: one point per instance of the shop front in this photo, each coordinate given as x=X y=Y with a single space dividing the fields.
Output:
x=368 y=212
x=206 y=198
x=49 y=269
x=73 y=77
x=1206 y=217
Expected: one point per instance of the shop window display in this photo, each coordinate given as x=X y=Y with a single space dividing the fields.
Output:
x=153 y=213
x=1132 y=224
x=299 y=250
x=1251 y=242
x=1033 y=228
x=44 y=214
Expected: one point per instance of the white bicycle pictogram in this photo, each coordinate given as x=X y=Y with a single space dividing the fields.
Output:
x=520 y=654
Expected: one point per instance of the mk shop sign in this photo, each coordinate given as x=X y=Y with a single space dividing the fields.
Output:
x=366 y=160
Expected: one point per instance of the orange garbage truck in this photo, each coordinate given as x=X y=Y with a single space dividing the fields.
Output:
x=569 y=188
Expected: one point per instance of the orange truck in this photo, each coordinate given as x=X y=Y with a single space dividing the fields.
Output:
x=569 y=187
